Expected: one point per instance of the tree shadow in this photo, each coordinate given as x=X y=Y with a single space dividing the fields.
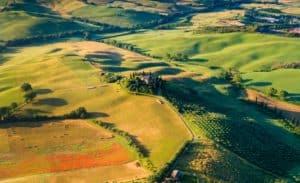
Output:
x=57 y=102
x=260 y=84
x=55 y=50
x=151 y=64
x=197 y=60
x=98 y=114
x=293 y=97
x=169 y=71
x=26 y=124
x=43 y=91
x=105 y=58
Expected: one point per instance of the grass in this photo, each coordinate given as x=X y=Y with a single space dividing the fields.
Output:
x=256 y=51
x=30 y=25
x=115 y=16
x=62 y=80
x=283 y=79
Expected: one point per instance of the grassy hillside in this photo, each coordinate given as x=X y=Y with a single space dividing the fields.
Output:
x=284 y=79
x=31 y=25
x=116 y=16
x=246 y=52
x=62 y=78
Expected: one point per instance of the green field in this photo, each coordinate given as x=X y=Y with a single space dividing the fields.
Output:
x=226 y=137
x=283 y=79
x=31 y=25
x=246 y=52
x=115 y=16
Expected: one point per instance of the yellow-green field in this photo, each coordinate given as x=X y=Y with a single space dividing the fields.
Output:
x=222 y=18
x=61 y=79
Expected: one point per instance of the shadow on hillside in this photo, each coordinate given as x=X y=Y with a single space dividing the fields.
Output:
x=98 y=114
x=5 y=58
x=27 y=124
x=260 y=84
x=105 y=58
x=43 y=91
x=197 y=60
x=169 y=71
x=57 y=102
x=293 y=97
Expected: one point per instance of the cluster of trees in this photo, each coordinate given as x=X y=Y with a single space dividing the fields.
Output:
x=80 y=113
x=273 y=92
x=6 y=112
x=109 y=77
x=271 y=22
x=292 y=65
x=234 y=77
x=133 y=143
x=40 y=38
x=143 y=83
x=177 y=57
x=225 y=29
x=46 y=37
x=126 y=46
x=106 y=26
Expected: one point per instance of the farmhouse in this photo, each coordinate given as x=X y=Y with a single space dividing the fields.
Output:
x=176 y=174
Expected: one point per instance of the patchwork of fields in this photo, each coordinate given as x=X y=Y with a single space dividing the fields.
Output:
x=214 y=58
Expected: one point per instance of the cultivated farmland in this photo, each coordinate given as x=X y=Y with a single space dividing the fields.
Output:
x=54 y=146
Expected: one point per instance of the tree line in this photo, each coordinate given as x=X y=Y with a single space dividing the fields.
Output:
x=7 y=113
x=142 y=152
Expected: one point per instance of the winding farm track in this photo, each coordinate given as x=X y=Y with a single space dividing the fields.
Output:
x=289 y=110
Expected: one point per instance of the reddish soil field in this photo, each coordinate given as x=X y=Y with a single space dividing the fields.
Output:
x=116 y=155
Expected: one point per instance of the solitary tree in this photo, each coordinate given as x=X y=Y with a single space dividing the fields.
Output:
x=283 y=94
x=237 y=78
x=26 y=87
x=13 y=105
x=29 y=96
x=272 y=91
